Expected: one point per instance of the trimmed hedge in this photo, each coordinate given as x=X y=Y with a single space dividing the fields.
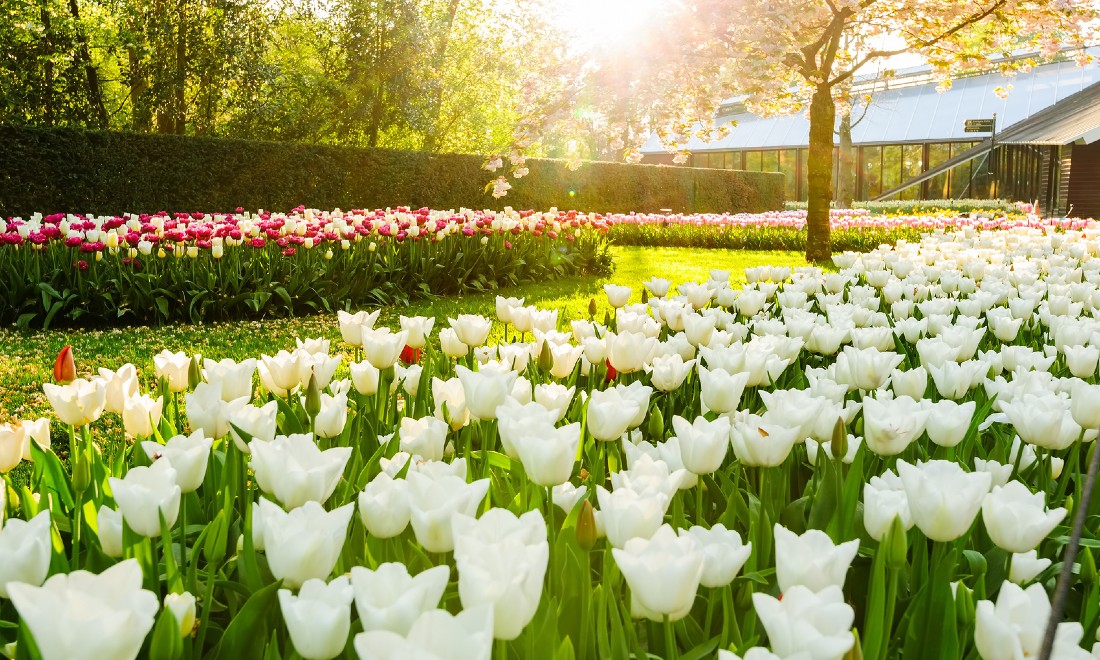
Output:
x=69 y=170
x=926 y=206
x=763 y=237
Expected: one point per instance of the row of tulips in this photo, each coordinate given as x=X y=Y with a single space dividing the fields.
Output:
x=202 y=267
x=851 y=229
x=883 y=461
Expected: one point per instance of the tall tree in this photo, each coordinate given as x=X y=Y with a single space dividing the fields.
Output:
x=788 y=56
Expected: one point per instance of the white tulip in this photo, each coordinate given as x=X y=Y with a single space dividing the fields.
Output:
x=146 y=494
x=295 y=471
x=318 y=618
x=188 y=456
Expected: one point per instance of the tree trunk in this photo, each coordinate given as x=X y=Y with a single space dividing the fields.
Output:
x=84 y=58
x=820 y=175
x=377 y=110
x=48 y=96
x=846 y=164
x=435 y=102
x=178 y=98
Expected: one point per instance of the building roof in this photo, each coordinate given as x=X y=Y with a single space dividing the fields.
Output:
x=1076 y=117
x=918 y=113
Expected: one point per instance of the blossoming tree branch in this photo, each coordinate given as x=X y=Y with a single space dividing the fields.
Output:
x=785 y=56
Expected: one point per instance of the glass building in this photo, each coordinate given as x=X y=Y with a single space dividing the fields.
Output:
x=910 y=141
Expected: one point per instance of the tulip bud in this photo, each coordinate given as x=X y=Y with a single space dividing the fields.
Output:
x=313 y=396
x=645 y=296
x=1070 y=501
x=1088 y=566
x=591 y=307
x=964 y=605
x=82 y=475
x=64 y=367
x=586 y=527
x=897 y=546
x=656 y=425
x=182 y=607
x=194 y=373
x=546 y=358
x=856 y=652
x=839 y=445
x=213 y=550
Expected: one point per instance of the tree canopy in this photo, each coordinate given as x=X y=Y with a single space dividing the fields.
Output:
x=440 y=75
x=783 y=56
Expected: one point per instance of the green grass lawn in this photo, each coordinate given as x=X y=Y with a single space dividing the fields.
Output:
x=26 y=358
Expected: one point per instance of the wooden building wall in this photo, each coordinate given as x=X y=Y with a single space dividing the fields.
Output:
x=1084 y=181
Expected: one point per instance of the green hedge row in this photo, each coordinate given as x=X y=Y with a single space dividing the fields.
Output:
x=924 y=206
x=68 y=170
x=763 y=237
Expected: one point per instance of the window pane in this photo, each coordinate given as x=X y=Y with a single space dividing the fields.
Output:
x=770 y=161
x=912 y=161
x=891 y=166
x=788 y=165
x=871 y=158
x=912 y=164
x=938 y=186
x=960 y=181
x=937 y=153
x=803 y=154
x=752 y=161
x=982 y=178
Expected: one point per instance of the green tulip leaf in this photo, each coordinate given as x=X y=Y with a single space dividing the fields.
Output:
x=167 y=644
x=249 y=625
x=49 y=474
x=704 y=650
x=289 y=420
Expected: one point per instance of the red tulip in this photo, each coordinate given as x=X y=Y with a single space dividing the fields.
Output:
x=410 y=355
x=64 y=367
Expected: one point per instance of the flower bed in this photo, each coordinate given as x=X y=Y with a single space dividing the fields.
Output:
x=895 y=449
x=197 y=267
x=852 y=229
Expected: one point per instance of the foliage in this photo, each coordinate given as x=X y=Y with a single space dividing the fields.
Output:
x=764 y=237
x=389 y=73
x=927 y=206
x=105 y=172
x=154 y=269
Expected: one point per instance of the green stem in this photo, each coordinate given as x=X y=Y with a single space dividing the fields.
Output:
x=709 y=620
x=699 y=517
x=670 y=640
x=182 y=524
x=893 y=575
x=78 y=516
x=729 y=619
x=208 y=597
x=552 y=533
